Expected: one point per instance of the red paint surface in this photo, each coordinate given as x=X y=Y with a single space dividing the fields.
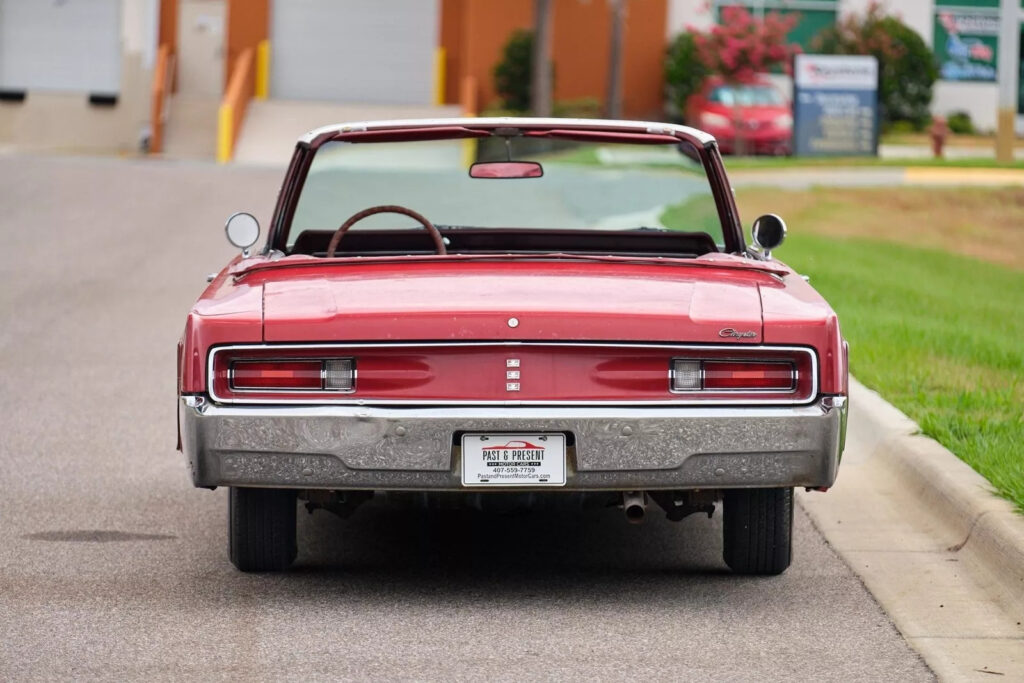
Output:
x=437 y=301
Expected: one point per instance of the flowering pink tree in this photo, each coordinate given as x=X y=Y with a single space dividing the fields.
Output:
x=740 y=46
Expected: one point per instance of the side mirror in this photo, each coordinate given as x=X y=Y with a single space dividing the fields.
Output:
x=768 y=232
x=242 y=230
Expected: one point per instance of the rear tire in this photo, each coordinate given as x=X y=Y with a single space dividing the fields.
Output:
x=757 y=530
x=261 y=529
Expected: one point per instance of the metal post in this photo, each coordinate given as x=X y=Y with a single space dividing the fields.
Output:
x=541 y=85
x=613 y=106
x=1009 y=64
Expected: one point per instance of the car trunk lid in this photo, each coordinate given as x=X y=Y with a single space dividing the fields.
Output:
x=501 y=300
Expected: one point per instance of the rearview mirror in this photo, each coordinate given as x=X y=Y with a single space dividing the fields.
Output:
x=768 y=232
x=242 y=230
x=506 y=169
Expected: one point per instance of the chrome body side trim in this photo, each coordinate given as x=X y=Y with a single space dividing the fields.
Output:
x=685 y=398
x=417 y=448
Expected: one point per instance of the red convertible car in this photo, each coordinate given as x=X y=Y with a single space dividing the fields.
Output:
x=534 y=328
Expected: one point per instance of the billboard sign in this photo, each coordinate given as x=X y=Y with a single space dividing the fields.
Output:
x=966 y=45
x=835 y=105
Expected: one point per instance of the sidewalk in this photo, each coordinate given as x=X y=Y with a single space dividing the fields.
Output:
x=938 y=550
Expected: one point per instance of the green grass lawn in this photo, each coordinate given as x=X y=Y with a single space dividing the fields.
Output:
x=754 y=163
x=587 y=155
x=938 y=333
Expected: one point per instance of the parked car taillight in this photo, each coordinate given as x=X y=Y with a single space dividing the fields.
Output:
x=524 y=373
x=334 y=374
x=714 y=375
x=292 y=374
x=340 y=374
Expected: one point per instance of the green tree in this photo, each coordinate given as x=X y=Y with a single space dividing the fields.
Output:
x=738 y=48
x=684 y=72
x=513 y=73
x=907 y=66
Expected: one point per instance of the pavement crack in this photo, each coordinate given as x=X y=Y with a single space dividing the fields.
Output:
x=94 y=536
x=957 y=547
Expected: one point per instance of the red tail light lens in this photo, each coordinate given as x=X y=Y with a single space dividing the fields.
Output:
x=689 y=375
x=735 y=376
x=288 y=374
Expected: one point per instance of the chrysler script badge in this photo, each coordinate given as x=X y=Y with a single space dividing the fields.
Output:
x=730 y=332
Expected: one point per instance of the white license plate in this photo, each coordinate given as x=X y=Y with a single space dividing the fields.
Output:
x=513 y=460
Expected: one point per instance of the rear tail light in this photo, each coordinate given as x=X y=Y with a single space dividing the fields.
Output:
x=686 y=375
x=336 y=374
x=712 y=375
x=340 y=374
x=734 y=376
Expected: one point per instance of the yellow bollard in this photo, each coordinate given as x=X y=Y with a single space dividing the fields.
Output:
x=225 y=117
x=263 y=69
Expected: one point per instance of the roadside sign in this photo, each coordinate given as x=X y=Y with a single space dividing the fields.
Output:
x=966 y=44
x=835 y=105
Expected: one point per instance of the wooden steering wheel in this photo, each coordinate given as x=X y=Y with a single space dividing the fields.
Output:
x=388 y=208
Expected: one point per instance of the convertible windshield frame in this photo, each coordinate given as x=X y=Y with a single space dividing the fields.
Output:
x=631 y=132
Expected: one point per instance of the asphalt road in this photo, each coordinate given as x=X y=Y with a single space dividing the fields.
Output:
x=112 y=566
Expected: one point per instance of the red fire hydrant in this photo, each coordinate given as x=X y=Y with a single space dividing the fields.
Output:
x=938 y=131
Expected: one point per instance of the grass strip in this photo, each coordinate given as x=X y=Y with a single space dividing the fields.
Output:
x=938 y=334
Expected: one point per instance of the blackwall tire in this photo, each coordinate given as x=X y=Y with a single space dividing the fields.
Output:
x=261 y=529
x=757 y=530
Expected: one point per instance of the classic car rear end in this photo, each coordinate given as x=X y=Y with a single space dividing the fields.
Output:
x=607 y=360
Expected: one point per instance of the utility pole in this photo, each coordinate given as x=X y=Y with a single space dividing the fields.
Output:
x=1009 y=64
x=613 y=105
x=540 y=86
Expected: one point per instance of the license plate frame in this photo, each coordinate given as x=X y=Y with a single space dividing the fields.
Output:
x=513 y=460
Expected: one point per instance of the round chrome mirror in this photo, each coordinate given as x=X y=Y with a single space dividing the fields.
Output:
x=242 y=230
x=768 y=231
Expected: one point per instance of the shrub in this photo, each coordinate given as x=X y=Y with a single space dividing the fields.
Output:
x=899 y=127
x=907 y=66
x=741 y=46
x=581 y=108
x=737 y=49
x=959 y=122
x=684 y=71
x=512 y=74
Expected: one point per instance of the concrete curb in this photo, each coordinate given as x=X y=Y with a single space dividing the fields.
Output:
x=991 y=529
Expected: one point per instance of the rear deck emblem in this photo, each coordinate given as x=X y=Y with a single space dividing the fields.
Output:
x=736 y=334
x=512 y=374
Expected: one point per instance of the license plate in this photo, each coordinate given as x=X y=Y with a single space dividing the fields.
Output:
x=513 y=460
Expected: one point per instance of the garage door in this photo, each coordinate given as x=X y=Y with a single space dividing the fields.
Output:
x=373 y=51
x=71 y=45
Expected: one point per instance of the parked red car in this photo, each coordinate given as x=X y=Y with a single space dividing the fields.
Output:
x=520 y=331
x=748 y=118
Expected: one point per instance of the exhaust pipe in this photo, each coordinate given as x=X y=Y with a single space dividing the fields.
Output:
x=634 y=504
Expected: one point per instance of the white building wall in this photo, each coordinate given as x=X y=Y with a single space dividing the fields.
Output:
x=66 y=121
x=688 y=13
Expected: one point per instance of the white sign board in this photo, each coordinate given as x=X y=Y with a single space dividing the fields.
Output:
x=836 y=72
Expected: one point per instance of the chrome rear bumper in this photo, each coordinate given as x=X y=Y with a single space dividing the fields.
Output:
x=613 y=448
